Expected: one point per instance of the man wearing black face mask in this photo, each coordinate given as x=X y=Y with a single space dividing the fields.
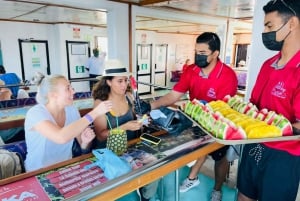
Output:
x=208 y=79
x=271 y=170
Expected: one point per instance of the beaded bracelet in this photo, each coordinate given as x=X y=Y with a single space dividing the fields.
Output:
x=89 y=118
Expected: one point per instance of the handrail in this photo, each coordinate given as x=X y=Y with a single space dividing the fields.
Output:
x=20 y=122
x=27 y=83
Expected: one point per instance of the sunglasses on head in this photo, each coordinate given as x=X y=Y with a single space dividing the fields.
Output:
x=286 y=5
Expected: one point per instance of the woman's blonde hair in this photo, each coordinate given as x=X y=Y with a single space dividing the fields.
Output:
x=46 y=84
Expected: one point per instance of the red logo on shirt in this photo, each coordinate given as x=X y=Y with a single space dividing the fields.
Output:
x=211 y=93
x=279 y=90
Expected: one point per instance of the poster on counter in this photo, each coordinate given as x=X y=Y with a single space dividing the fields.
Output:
x=27 y=189
x=68 y=181
x=56 y=184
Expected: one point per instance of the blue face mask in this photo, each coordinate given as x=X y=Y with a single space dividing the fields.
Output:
x=201 y=60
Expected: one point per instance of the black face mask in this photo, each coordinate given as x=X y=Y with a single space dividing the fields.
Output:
x=201 y=60
x=269 y=40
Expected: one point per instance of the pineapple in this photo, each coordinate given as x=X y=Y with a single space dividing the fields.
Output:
x=117 y=141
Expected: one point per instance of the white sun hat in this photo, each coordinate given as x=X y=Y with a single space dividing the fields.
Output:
x=114 y=67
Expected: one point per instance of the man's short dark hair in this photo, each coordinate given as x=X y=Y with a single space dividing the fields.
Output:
x=96 y=50
x=211 y=39
x=285 y=8
x=2 y=70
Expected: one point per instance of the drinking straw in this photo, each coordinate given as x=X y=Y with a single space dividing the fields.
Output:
x=109 y=124
x=117 y=121
x=135 y=94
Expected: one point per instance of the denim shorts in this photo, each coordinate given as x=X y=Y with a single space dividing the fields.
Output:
x=220 y=153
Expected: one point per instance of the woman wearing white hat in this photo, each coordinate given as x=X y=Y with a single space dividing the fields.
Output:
x=113 y=86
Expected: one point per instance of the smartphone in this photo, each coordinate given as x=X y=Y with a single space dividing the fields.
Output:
x=150 y=138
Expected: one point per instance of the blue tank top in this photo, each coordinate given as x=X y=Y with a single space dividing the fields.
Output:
x=128 y=116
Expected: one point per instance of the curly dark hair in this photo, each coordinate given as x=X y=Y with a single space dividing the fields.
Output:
x=101 y=89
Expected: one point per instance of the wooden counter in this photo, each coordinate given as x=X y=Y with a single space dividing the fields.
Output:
x=152 y=175
x=121 y=186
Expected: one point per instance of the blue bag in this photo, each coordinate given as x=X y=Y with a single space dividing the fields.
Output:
x=112 y=165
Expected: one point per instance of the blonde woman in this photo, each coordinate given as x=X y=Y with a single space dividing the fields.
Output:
x=52 y=124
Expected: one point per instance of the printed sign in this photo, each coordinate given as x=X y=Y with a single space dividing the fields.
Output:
x=27 y=189
x=54 y=185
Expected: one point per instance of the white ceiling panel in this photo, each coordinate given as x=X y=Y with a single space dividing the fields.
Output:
x=52 y=14
x=10 y=9
x=45 y=13
x=48 y=13
x=237 y=9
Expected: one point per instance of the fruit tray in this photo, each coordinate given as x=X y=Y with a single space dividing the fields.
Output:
x=244 y=141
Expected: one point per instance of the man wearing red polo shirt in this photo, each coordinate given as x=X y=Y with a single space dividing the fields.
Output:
x=271 y=171
x=208 y=79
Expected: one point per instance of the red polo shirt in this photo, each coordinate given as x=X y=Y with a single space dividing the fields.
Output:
x=279 y=90
x=220 y=82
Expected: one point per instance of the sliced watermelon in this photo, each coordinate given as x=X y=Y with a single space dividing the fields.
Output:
x=236 y=134
x=206 y=108
x=262 y=114
x=217 y=115
x=202 y=118
x=270 y=117
x=189 y=107
x=210 y=123
x=241 y=107
x=195 y=111
x=237 y=104
x=285 y=126
x=195 y=101
x=277 y=119
x=226 y=98
x=198 y=114
x=246 y=108
x=232 y=101
x=206 y=120
x=252 y=113
x=215 y=128
x=222 y=130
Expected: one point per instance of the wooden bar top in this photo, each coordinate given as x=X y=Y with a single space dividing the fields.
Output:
x=149 y=174
x=155 y=174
